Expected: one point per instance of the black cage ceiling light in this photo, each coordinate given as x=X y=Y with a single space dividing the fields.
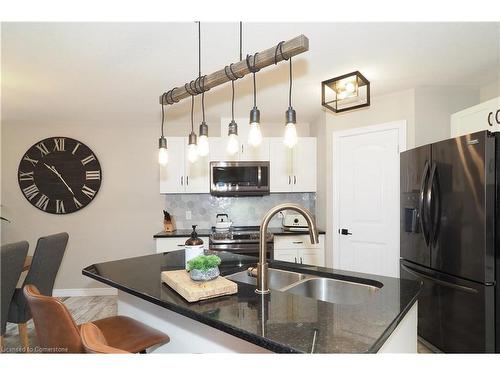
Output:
x=349 y=91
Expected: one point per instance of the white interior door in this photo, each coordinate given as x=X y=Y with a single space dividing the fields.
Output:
x=366 y=198
x=172 y=175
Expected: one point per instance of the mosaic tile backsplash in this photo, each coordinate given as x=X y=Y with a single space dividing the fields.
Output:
x=241 y=210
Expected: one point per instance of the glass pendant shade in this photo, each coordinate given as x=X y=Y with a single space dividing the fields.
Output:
x=290 y=138
x=162 y=151
x=203 y=145
x=192 y=148
x=233 y=144
x=254 y=134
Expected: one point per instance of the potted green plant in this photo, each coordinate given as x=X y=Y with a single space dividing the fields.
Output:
x=204 y=267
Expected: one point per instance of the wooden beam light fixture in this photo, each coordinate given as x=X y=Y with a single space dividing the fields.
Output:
x=263 y=59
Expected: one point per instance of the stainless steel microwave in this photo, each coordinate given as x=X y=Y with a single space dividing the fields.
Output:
x=239 y=178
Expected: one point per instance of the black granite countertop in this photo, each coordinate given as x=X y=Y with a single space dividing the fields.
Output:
x=280 y=321
x=205 y=232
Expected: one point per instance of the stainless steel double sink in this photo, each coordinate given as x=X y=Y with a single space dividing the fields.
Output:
x=311 y=286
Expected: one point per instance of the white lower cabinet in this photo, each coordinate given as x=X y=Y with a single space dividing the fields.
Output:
x=167 y=244
x=298 y=249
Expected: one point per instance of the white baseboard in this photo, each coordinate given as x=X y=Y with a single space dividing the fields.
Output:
x=84 y=292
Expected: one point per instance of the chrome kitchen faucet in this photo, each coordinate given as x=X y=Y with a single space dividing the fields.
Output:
x=262 y=266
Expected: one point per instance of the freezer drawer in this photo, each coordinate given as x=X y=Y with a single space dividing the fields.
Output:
x=455 y=315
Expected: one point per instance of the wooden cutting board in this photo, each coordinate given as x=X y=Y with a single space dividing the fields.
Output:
x=194 y=291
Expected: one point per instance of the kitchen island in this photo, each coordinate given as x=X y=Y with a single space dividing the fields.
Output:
x=280 y=322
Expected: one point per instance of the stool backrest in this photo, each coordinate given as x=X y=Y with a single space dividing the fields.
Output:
x=12 y=263
x=56 y=330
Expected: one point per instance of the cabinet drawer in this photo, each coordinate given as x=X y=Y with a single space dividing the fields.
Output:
x=301 y=241
x=174 y=243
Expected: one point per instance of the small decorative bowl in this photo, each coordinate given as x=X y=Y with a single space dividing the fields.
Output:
x=204 y=275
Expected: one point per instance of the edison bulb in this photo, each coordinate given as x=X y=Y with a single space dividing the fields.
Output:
x=254 y=134
x=203 y=145
x=233 y=144
x=163 y=156
x=192 y=153
x=290 y=139
x=350 y=87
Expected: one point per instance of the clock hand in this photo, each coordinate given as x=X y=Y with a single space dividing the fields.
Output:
x=53 y=169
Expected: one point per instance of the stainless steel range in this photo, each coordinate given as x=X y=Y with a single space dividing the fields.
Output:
x=242 y=240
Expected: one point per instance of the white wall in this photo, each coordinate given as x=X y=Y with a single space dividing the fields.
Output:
x=433 y=107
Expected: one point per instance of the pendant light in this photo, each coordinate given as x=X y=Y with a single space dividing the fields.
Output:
x=233 y=144
x=162 y=144
x=290 y=138
x=192 y=144
x=254 y=134
x=203 y=144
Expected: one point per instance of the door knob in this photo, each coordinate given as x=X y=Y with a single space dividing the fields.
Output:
x=345 y=232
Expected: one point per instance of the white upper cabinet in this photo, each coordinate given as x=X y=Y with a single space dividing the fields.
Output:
x=293 y=170
x=181 y=176
x=172 y=175
x=245 y=152
x=484 y=116
x=304 y=165
x=218 y=150
x=197 y=175
x=257 y=153
x=281 y=170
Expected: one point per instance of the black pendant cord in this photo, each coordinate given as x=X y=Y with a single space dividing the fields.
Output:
x=254 y=92
x=162 y=117
x=232 y=101
x=192 y=113
x=290 y=92
x=241 y=39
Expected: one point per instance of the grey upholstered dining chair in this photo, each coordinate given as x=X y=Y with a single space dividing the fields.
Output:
x=47 y=258
x=12 y=263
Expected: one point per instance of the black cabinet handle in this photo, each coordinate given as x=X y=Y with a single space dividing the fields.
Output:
x=182 y=180
x=289 y=180
x=297 y=242
x=187 y=180
x=490 y=115
x=345 y=232
x=497 y=116
x=295 y=259
x=300 y=260
x=295 y=180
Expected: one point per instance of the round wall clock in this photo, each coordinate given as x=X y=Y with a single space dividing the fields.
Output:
x=59 y=175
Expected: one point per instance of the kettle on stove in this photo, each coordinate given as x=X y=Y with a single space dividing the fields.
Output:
x=222 y=222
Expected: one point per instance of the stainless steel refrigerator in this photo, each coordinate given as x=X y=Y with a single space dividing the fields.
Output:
x=450 y=214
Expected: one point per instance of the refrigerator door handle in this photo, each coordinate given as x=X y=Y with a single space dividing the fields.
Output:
x=438 y=281
x=421 y=205
x=434 y=203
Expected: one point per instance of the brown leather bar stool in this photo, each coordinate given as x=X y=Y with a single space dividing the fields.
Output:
x=94 y=341
x=57 y=332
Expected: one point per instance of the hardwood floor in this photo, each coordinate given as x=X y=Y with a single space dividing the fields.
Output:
x=85 y=309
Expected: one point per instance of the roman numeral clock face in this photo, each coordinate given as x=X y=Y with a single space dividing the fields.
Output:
x=59 y=175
